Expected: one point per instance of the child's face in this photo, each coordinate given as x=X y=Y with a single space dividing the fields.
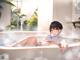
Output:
x=55 y=32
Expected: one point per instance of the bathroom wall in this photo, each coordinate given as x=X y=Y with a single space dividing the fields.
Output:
x=63 y=11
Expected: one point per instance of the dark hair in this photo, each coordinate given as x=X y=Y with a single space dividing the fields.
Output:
x=55 y=25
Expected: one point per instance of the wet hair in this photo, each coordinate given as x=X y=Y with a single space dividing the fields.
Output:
x=55 y=25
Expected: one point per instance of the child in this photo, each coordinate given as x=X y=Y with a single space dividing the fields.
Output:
x=54 y=38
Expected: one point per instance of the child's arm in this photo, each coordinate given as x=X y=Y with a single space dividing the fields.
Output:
x=48 y=43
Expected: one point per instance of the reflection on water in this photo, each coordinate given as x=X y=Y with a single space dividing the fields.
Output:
x=11 y=38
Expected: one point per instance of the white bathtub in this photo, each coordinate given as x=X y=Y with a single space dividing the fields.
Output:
x=37 y=52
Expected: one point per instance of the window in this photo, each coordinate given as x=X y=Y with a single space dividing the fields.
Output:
x=24 y=15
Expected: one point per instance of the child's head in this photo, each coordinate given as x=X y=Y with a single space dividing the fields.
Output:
x=55 y=28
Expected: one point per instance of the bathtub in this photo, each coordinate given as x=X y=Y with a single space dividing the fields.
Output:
x=52 y=52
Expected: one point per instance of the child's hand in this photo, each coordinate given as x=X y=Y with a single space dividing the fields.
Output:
x=63 y=45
